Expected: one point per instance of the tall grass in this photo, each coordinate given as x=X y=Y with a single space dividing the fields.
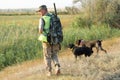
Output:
x=102 y=32
x=18 y=41
x=19 y=37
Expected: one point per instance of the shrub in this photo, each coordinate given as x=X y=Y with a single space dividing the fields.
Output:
x=101 y=32
x=82 y=23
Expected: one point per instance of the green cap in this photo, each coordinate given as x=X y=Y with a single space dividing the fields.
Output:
x=44 y=7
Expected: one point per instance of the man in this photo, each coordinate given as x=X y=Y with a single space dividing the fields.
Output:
x=50 y=53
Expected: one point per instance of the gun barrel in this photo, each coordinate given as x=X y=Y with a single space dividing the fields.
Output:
x=55 y=9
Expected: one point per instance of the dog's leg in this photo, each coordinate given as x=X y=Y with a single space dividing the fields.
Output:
x=103 y=50
x=97 y=50
x=75 y=58
x=86 y=55
x=79 y=57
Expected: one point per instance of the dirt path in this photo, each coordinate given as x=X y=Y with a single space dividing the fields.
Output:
x=94 y=68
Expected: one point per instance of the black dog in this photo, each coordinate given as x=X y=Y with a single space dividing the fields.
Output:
x=78 y=51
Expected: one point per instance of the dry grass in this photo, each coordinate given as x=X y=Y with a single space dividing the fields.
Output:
x=100 y=67
x=67 y=20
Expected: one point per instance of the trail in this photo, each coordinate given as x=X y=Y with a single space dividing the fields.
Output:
x=94 y=68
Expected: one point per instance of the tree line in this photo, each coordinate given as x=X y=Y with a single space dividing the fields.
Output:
x=99 y=11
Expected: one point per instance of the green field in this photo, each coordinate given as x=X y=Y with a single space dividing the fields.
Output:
x=19 y=37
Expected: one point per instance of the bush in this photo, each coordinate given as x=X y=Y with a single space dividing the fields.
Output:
x=2 y=60
x=82 y=23
x=115 y=21
x=94 y=33
x=100 y=11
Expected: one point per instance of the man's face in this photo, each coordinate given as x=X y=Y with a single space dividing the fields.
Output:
x=42 y=12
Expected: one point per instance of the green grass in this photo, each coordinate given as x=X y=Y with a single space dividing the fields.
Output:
x=18 y=40
x=19 y=37
x=102 y=32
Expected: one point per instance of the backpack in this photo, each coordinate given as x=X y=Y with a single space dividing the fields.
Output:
x=55 y=34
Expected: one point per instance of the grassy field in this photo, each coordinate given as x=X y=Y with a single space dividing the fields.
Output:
x=97 y=67
x=19 y=43
x=19 y=38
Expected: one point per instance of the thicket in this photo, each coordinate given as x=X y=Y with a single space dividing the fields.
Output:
x=98 y=12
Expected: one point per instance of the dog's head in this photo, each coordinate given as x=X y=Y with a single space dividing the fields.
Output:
x=71 y=46
x=99 y=42
x=78 y=41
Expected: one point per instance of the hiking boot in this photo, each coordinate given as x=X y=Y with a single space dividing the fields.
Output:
x=57 y=72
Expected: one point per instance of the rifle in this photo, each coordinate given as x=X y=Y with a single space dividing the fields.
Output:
x=55 y=9
x=55 y=13
x=55 y=20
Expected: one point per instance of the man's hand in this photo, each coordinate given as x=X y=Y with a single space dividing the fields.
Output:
x=40 y=31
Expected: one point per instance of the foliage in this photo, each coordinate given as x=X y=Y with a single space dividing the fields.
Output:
x=101 y=11
x=18 y=40
x=101 y=32
x=72 y=10
x=19 y=34
x=82 y=22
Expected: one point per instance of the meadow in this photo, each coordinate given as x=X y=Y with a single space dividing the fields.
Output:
x=19 y=37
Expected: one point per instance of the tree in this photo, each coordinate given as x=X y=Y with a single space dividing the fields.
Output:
x=72 y=10
x=104 y=11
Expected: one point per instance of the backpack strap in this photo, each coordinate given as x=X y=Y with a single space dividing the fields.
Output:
x=43 y=22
